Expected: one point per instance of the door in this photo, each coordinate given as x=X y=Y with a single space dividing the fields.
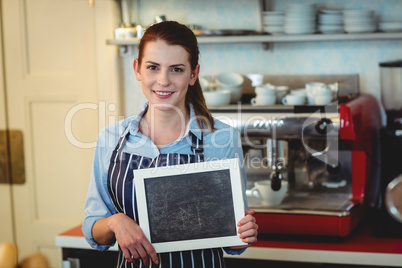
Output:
x=6 y=216
x=53 y=54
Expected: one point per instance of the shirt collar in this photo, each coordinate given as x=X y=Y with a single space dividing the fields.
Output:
x=133 y=124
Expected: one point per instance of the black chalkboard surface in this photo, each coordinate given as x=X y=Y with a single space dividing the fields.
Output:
x=197 y=206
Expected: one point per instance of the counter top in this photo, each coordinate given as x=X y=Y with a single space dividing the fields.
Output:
x=361 y=247
x=74 y=238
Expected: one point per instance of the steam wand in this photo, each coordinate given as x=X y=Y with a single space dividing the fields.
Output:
x=276 y=174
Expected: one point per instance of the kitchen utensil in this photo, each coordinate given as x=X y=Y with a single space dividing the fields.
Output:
x=281 y=92
x=140 y=31
x=232 y=82
x=204 y=84
x=322 y=99
x=300 y=19
x=317 y=88
x=223 y=32
x=262 y=90
x=217 y=98
x=160 y=18
x=391 y=85
x=359 y=21
x=262 y=100
x=229 y=79
x=256 y=79
x=263 y=192
x=390 y=26
x=299 y=92
x=273 y=21
x=292 y=99
x=318 y=200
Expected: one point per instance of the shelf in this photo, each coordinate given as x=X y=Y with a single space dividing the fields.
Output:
x=276 y=38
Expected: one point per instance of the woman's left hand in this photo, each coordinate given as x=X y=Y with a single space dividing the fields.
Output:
x=247 y=230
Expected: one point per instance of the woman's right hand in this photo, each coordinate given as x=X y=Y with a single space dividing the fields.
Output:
x=132 y=240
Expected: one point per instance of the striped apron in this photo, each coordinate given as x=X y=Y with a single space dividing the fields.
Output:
x=121 y=190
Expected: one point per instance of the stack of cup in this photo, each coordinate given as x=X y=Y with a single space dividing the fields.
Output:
x=265 y=95
x=319 y=93
x=296 y=97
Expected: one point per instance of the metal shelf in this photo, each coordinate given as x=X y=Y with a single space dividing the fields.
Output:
x=277 y=38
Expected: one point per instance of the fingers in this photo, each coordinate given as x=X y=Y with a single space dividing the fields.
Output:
x=133 y=254
x=249 y=237
x=249 y=211
x=143 y=255
x=133 y=242
x=248 y=228
x=128 y=255
x=152 y=253
x=146 y=254
x=246 y=219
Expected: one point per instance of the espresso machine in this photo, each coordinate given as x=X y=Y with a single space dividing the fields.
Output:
x=327 y=157
x=390 y=216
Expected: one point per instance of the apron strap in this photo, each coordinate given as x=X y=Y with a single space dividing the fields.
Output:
x=122 y=141
x=197 y=145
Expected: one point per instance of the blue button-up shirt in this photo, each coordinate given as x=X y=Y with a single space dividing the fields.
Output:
x=223 y=143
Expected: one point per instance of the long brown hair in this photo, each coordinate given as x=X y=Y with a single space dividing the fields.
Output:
x=175 y=33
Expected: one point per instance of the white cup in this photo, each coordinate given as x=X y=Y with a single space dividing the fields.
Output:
x=310 y=100
x=322 y=99
x=204 y=83
x=256 y=79
x=229 y=79
x=323 y=91
x=217 y=98
x=262 y=90
x=313 y=86
x=262 y=191
x=281 y=91
x=299 y=91
x=262 y=100
x=292 y=99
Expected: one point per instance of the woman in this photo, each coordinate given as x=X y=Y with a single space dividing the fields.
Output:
x=175 y=121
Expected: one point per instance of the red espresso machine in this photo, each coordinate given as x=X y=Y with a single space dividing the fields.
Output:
x=328 y=155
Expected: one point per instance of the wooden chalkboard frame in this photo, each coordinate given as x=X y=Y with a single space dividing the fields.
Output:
x=227 y=166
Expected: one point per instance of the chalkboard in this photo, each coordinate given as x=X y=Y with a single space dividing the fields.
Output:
x=191 y=207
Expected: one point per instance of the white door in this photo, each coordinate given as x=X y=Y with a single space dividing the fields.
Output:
x=59 y=76
x=6 y=232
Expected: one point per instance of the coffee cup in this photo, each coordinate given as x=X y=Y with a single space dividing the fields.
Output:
x=310 y=100
x=262 y=191
x=322 y=99
x=256 y=79
x=281 y=92
x=262 y=100
x=299 y=92
x=263 y=90
x=323 y=91
x=292 y=99
x=313 y=86
x=312 y=89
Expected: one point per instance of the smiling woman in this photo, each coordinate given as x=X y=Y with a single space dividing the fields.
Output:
x=174 y=127
x=177 y=38
x=163 y=82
